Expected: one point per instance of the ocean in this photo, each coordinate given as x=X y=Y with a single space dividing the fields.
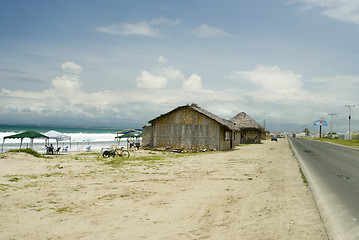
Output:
x=83 y=139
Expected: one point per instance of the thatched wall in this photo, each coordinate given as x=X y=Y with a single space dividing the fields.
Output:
x=147 y=136
x=187 y=128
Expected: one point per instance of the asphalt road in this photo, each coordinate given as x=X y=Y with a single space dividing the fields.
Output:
x=332 y=172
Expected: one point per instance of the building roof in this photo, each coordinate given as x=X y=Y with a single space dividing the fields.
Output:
x=243 y=121
x=202 y=111
x=239 y=122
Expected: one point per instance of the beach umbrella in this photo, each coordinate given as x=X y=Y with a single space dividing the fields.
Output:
x=58 y=137
x=129 y=133
x=27 y=134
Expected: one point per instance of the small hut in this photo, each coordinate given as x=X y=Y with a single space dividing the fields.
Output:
x=247 y=130
x=191 y=128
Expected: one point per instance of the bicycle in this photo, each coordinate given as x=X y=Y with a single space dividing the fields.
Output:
x=112 y=152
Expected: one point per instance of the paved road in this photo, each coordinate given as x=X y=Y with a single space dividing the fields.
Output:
x=333 y=175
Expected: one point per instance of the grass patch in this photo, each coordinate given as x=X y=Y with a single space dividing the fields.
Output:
x=150 y=161
x=150 y=158
x=14 y=179
x=4 y=187
x=62 y=209
x=120 y=162
x=28 y=151
x=59 y=174
x=88 y=154
x=34 y=184
x=350 y=143
x=303 y=176
x=116 y=162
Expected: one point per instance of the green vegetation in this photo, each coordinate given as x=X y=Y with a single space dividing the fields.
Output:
x=32 y=184
x=28 y=151
x=120 y=162
x=63 y=209
x=4 y=187
x=59 y=174
x=32 y=176
x=14 y=179
x=88 y=154
x=244 y=144
x=147 y=161
x=303 y=176
x=350 y=143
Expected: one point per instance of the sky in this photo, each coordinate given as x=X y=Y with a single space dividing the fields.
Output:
x=121 y=63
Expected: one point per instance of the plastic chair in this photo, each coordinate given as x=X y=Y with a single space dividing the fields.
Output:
x=65 y=149
x=58 y=150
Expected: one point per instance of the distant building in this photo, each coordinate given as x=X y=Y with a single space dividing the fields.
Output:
x=355 y=135
x=192 y=128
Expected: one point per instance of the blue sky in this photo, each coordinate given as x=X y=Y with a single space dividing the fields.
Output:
x=122 y=63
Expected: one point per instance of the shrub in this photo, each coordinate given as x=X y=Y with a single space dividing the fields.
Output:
x=28 y=151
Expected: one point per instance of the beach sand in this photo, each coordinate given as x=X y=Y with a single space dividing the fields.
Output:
x=253 y=192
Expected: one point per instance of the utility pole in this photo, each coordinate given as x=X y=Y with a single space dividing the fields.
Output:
x=350 y=112
x=331 y=124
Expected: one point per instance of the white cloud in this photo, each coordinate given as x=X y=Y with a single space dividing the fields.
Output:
x=343 y=10
x=66 y=84
x=205 y=31
x=147 y=80
x=126 y=29
x=271 y=78
x=71 y=67
x=66 y=100
x=279 y=95
x=340 y=88
x=282 y=95
x=164 y=21
x=193 y=83
x=273 y=85
x=172 y=73
x=113 y=29
x=162 y=59
x=153 y=28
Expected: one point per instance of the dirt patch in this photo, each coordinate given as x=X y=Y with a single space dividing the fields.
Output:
x=252 y=192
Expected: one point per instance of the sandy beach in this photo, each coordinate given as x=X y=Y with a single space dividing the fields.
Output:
x=252 y=192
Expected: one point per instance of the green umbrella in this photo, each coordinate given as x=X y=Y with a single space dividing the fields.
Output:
x=27 y=134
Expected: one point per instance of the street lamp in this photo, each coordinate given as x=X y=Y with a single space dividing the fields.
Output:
x=331 y=124
x=350 y=111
